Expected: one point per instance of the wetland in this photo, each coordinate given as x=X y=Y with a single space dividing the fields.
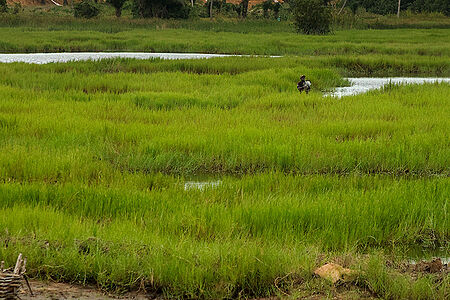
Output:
x=103 y=163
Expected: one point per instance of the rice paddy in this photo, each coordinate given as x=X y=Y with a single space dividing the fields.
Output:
x=95 y=158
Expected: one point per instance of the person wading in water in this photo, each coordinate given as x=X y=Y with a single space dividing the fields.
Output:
x=303 y=85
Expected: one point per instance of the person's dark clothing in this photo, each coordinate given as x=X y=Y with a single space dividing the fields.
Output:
x=303 y=86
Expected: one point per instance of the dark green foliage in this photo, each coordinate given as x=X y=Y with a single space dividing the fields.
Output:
x=229 y=9
x=160 y=9
x=442 y=6
x=221 y=7
x=385 y=7
x=17 y=8
x=312 y=17
x=3 y=6
x=198 y=11
x=381 y=7
x=270 y=6
x=244 y=8
x=86 y=9
x=117 y=4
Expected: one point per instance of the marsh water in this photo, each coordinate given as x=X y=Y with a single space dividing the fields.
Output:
x=365 y=84
x=417 y=254
x=45 y=58
x=201 y=185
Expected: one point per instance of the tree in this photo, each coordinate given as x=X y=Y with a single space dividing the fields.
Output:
x=266 y=6
x=160 y=9
x=442 y=6
x=385 y=7
x=343 y=5
x=210 y=8
x=3 y=6
x=244 y=8
x=312 y=17
x=117 y=4
x=380 y=7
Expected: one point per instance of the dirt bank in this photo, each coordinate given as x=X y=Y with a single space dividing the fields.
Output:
x=54 y=290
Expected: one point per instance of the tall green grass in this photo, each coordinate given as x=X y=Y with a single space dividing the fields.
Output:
x=354 y=65
x=433 y=42
x=334 y=213
x=235 y=239
x=188 y=123
x=94 y=157
x=55 y=18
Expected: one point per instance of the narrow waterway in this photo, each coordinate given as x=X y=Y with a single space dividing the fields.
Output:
x=45 y=58
x=363 y=85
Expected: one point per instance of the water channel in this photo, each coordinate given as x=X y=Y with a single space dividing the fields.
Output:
x=364 y=84
x=45 y=58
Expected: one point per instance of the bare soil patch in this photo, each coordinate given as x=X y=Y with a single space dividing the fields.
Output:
x=57 y=290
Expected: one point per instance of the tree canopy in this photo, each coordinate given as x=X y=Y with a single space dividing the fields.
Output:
x=161 y=8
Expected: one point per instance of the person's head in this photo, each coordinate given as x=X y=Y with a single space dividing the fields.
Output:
x=302 y=77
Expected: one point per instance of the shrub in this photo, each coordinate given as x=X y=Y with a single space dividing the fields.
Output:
x=197 y=11
x=17 y=8
x=118 y=5
x=160 y=9
x=3 y=6
x=442 y=6
x=86 y=9
x=271 y=6
x=286 y=11
x=312 y=17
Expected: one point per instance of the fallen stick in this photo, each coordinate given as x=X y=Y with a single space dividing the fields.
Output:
x=28 y=284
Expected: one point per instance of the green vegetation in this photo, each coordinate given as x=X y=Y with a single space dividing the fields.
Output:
x=59 y=18
x=94 y=157
x=224 y=242
x=85 y=9
x=435 y=43
x=312 y=17
x=261 y=124
x=3 y=6
x=384 y=7
x=118 y=6
x=161 y=9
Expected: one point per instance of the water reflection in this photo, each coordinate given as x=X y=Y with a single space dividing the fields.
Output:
x=363 y=85
x=45 y=58
x=201 y=185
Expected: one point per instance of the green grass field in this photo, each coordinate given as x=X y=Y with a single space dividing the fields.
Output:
x=422 y=42
x=94 y=157
x=33 y=32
